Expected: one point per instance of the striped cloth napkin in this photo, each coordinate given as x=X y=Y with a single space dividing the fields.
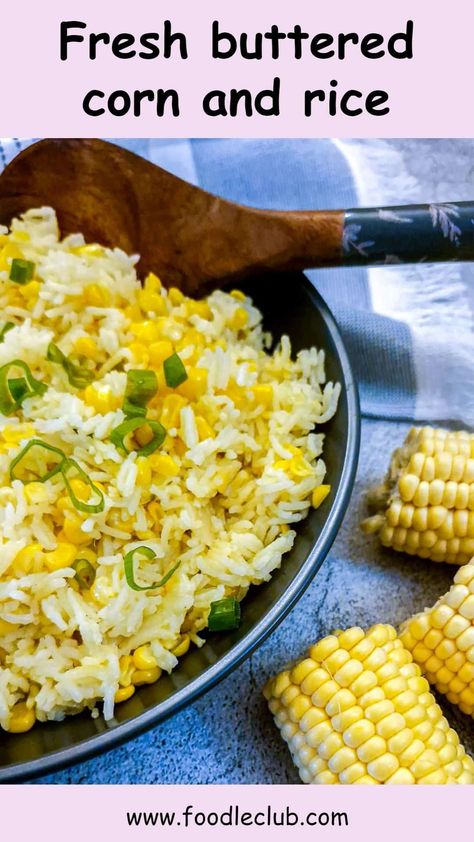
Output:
x=408 y=329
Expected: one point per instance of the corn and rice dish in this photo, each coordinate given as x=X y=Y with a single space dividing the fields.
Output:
x=154 y=456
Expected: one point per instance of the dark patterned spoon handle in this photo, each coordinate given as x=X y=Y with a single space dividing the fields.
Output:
x=409 y=234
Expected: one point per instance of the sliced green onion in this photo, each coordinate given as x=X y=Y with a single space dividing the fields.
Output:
x=224 y=614
x=175 y=372
x=119 y=435
x=50 y=472
x=18 y=387
x=6 y=327
x=133 y=410
x=66 y=467
x=85 y=573
x=142 y=386
x=21 y=271
x=77 y=373
x=10 y=398
x=149 y=554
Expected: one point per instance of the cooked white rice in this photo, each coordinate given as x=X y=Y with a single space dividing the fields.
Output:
x=246 y=462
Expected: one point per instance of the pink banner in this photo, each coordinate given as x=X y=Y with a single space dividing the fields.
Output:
x=327 y=69
x=187 y=813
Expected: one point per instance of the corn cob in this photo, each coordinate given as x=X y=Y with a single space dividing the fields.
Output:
x=441 y=641
x=357 y=710
x=425 y=506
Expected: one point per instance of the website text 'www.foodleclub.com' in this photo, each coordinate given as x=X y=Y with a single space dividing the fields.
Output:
x=235 y=816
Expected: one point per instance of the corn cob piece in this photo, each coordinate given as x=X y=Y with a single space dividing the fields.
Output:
x=441 y=641
x=425 y=506
x=358 y=711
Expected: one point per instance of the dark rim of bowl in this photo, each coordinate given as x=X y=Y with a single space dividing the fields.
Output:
x=105 y=741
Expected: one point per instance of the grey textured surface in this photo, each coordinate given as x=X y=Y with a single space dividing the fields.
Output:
x=228 y=736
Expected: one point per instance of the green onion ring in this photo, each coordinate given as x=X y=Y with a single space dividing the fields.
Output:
x=85 y=573
x=119 y=434
x=224 y=614
x=78 y=375
x=90 y=508
x=8 y=402
x=129 y=574
x=175 y=372
x=37 y=443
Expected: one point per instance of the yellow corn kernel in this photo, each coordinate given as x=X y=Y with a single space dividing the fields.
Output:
x=300 y=467
x=143 y=435
x=25 y=558
x=262 y=394
x=170 y=414
x=123 y=694
x=357 y=710
x=192 y=337
x=81 y=489
x=203 y=428
x=6 y=627
x=87 y=347
x=15 y=433
x=30 y=291
x=102 y=399
x=62 y=556
x=152 y=302
x=146 y=676
x=20 y=236
x=143 y=472
x=96 y=296
x=127 y=669
x=198 y=308
x=426 y=506
x=140 y=353
x=22 y=719
x=132 y=312
x=163 y=464
x=146 y=331
x=8 y=253
x=175 y=296
x=319 y=495
x=35 y=492
x=89 y=555
x=155 y=511
x=90 y=250
x=144 y=659
x=160 y=351
x=182 y=647
x=153 y=283
x=196 y=385
x=238 y=319
x=72 y=530
x=237 y=294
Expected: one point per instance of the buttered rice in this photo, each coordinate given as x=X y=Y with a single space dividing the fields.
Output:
x=240 y=463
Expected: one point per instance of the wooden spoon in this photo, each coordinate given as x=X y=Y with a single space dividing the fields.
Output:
x=198 y=241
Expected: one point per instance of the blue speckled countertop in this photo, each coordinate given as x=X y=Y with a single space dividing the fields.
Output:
x=228 y=736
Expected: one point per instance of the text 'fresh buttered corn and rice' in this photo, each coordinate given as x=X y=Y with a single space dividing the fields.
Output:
x=153 y=458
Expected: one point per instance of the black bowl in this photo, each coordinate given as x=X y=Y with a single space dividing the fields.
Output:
x=290 y=305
